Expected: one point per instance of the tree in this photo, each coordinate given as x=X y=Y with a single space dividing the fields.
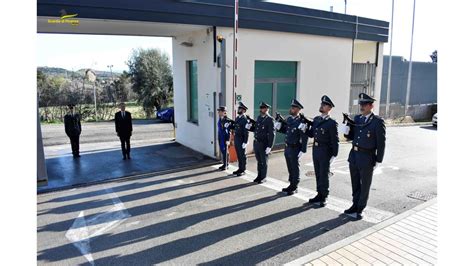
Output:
x=151 y=77
x=121 y=87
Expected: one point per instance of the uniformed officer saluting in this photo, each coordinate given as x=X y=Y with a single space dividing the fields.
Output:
x=264 y=140
x=325 y=148
x=367 y=133
x=296 y=143
x=223 y=125
x=72 y=126
x=241 y=136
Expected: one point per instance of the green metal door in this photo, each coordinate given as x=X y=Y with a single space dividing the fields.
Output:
x=275 y=84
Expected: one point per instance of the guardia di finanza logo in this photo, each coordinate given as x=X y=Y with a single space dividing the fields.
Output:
x=65 y=18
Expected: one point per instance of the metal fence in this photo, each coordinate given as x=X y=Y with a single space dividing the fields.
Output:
x=362 y=80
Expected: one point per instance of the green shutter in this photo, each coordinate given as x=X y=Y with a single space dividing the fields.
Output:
x=275 y=84
x=275 y=69
x=193 y=91
x=263 y=92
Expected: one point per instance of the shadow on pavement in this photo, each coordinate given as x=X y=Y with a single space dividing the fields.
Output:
x=66 y=171
x=144 y=209
x=429 y=127
x=180 y=247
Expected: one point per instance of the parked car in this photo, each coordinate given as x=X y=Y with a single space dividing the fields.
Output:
x=166 y=114
x=435 y=120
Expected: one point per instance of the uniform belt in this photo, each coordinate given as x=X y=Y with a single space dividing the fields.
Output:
x=297 y=145
x=320 y=144
x=357 y=148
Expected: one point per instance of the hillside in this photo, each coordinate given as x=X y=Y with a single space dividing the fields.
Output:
x=57 y=71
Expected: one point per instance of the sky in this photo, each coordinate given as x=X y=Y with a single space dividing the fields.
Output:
x=74 y=52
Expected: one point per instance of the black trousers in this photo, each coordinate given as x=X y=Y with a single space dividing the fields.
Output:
x=361 y=179
x=293 y=164
x=262 y=159
x=321 y=170
x=241 y=156
x=225 y=155
x=125 y=144
x=74 y=144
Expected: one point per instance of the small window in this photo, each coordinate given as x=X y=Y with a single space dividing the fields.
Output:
x=192 y=83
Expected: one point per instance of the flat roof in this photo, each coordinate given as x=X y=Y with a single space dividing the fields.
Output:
x=253 y=14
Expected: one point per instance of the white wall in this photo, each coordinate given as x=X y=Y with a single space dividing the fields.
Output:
x=324 y=66
x=364 y=51
x=199 y=137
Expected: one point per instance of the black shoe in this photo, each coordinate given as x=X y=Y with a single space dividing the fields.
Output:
x=288 y=188
x=223 y=167
x=236 y=172
x=352 y=209
x=259 y=180
x=128 y=156
x=240 y=173
x=124 y=158
x=355 y=215
x=76 y=156
x=291 y=192
x=319 y=200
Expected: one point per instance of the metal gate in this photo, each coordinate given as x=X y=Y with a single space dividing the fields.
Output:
x=362 y=80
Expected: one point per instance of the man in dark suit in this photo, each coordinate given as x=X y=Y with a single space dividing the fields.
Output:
x=123 y=127
x=367 y=132
x=72 y=125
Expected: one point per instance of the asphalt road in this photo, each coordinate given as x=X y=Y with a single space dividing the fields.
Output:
x=203 y=216
x=94 y=132
x=101 y=135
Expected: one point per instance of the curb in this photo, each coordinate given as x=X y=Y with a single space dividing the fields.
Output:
x=347 y=241
x=410 y=124
x=125 y=178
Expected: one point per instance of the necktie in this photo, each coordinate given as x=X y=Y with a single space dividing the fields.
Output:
x=123 y=114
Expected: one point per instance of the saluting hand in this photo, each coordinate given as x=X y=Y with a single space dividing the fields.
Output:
x=303 y=127
x=344 y=129
x=277 y=125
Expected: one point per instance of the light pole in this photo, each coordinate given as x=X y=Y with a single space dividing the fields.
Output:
x=111 y=74
x=91 y=77
x=407 y=100
x=389 y=78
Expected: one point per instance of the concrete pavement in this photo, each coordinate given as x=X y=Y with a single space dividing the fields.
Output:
x=66 y=171
x=406 y=239
x=204 y=216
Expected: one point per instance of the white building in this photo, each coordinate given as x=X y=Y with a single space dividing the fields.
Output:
x=284 y=52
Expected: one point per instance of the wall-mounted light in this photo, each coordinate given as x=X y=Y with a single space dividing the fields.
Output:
x=220 y=38
x=187 y=44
